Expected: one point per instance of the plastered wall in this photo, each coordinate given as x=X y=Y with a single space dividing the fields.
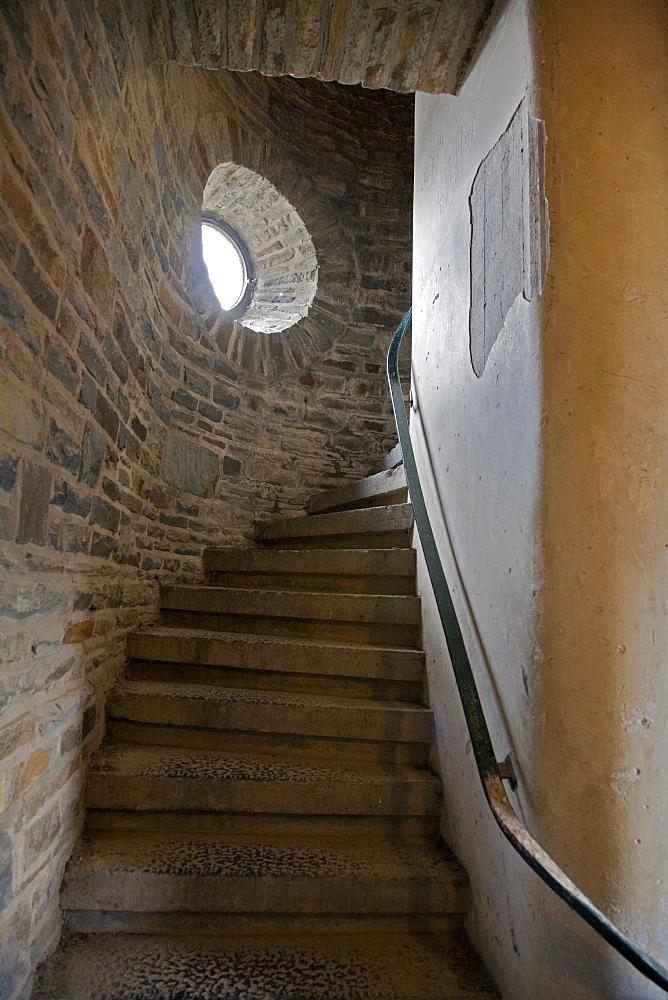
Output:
x=137 y=426
x=546 y=484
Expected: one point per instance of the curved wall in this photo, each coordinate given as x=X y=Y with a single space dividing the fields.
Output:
x=136 y=426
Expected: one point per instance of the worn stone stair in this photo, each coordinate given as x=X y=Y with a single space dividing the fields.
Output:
x=263 y=791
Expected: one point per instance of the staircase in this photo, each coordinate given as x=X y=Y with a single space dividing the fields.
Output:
x=262 y=820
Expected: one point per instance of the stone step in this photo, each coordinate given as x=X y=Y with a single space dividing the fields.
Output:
x=356 y=618
x=206 y=717
x=385 y=609
x=158 y=778
x=388 y=487
x=273 y=680
x=283 y=745
x=390 y=461
x=346 y=571
x=373 y=966
x=266 y=653
x=374 y=527
x=268 y=712
x=160 y=873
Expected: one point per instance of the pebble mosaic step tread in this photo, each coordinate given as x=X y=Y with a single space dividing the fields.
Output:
x=161 y=762
x=339 y=967
x=258 y=710
x=145 y=777
x=163 y=873
x=250 y=857
x=263 y=652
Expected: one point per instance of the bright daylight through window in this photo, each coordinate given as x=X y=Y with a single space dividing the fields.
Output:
x=225 y=264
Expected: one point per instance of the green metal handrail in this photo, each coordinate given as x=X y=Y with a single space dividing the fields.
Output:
x=492 y=773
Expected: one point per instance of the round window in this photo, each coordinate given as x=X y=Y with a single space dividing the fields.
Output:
x=228 y=263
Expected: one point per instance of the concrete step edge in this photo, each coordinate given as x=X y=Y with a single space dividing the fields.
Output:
x=370 y=520
x=391 y=609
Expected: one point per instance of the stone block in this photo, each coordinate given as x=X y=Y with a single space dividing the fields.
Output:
x=106 y=416
x=78 y=632
x=14 y=647
x=102 y=545
x=231 y=466
x=184 y=398
x=16 y=734
x=105 y=515
x=197 y=382
x=88 y=395
x=34 y=506
x=212 y=413
x=139 y=429
x=8 y=467
x=10 y=309
x=223 y=368
x=28 y=274
x=94 y=449
x=34 y=768
x=19 y=417
x=40 y=837
x=68 y=500
x=188 y=466
x=61 y=449
x=93 y=362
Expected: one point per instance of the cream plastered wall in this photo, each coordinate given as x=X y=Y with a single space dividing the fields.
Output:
x=544 y=484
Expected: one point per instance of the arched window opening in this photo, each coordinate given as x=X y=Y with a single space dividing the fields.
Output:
x=259 y=254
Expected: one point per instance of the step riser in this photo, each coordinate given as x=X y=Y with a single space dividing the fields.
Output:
x=364 y=540
x=219 y=795
x=214 y=924
x=393 y=498
x=326 y=828
x=334 y=721
x=270 y=680
x=146 y=892
x=370 y=634
x=374 y=491
x=322 y=583
x=360 y=524
x=354 y=562
x=234 y=652
x=413 y=754
x=296 y=606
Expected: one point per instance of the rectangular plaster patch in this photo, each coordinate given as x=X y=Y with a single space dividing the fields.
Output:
x=508 y=230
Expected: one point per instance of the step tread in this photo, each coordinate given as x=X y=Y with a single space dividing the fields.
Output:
x=407 y=966
x=166 y=762
x=303 y=655
x=259 y=696
x=253 y=858
x=395 y=517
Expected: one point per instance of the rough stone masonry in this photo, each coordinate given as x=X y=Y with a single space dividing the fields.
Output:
x=136 y=424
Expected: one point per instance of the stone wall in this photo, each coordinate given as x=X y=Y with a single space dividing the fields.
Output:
x=404 y=45
x=136 y=427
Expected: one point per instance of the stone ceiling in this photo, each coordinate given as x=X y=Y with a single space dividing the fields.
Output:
x=401 y=45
